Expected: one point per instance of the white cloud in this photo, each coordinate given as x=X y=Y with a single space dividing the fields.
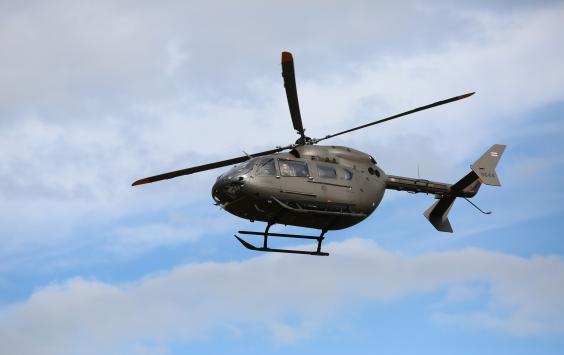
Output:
x=523 y=298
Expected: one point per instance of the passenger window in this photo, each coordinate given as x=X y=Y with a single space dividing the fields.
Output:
x=326 y=172
x=293 y=168
x=266 y=168
x=348 y=174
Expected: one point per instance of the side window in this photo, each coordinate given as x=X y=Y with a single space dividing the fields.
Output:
x=266 y=167
x=347 y=174
x=293 y=168
x=326 y=172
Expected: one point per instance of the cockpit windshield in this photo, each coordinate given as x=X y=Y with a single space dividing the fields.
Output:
x=241 y=169
x=266 y=167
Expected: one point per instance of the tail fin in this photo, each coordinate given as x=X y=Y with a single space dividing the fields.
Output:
x=485 y=166
x=437 y=214
x=483 y=171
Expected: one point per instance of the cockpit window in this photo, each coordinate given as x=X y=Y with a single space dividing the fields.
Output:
x=241 y=169
x=293 y=168
x=266 y=167
x=326 y=172
x=347 y=174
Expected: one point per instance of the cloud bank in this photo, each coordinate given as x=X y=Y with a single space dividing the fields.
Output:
x=519 y=296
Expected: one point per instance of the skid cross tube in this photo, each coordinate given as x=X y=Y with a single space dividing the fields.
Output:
x=266 y=234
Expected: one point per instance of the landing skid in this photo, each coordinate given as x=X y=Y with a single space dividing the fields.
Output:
x=265 y=247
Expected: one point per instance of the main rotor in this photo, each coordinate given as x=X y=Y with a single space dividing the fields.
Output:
x=289 y=76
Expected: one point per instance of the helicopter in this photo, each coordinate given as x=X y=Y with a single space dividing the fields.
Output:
x=325 y=187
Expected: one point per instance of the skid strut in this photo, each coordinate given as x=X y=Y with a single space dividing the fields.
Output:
x=266 y=234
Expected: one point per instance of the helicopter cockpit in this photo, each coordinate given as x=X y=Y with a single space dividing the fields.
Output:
x=267 y=167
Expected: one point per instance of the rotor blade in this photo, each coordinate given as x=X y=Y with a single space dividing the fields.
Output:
x=438 y=103
x=291 y=91
x=210 y=166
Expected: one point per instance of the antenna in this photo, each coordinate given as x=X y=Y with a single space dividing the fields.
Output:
x=478 y=208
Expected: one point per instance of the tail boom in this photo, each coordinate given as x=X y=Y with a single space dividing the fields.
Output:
x=466 y=187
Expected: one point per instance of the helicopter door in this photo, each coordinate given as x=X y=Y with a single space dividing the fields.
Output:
x=294 y=181
x=335 y=187
x=267 y=176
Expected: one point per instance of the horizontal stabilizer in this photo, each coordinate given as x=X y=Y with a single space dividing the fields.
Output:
x=437 y=214
x=485 y=166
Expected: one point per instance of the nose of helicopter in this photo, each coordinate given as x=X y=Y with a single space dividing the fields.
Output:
x=228 y=188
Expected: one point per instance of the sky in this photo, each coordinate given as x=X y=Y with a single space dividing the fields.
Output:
x=97 y=94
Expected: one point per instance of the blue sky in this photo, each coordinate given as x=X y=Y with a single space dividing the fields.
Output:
x=96 y=94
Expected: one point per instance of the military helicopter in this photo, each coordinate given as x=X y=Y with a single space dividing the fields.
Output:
x=325 y=187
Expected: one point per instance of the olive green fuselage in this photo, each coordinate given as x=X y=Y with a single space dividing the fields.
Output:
x=322 y=187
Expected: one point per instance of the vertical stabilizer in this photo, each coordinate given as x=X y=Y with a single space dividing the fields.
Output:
x=437 y=214
x=485 y=166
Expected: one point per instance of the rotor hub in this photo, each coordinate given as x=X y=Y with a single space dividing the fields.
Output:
x=304 y=141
